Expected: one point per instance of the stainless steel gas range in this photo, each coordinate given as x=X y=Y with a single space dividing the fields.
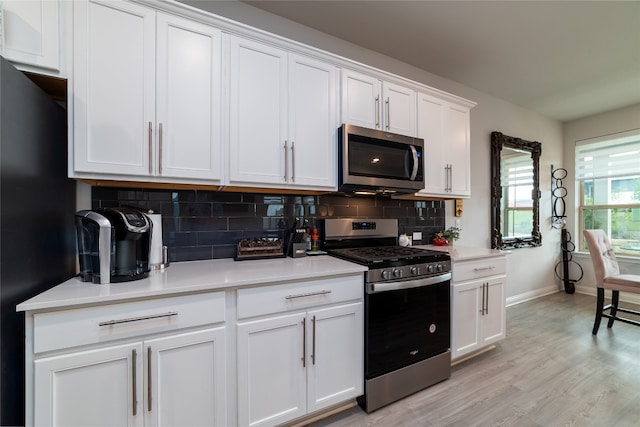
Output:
x=407 y=332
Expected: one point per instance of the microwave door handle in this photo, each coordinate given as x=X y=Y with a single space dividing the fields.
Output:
x=414 y=153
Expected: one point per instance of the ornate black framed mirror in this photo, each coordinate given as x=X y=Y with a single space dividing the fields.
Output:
x=515 y=197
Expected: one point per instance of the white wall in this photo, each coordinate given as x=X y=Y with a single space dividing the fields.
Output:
x=616 y=121
x=531 y=269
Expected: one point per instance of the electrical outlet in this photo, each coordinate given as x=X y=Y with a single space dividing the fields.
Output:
x=417 y=235
x=458 y=224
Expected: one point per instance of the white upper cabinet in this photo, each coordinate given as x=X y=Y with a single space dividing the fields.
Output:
x=313 y=122
x=31 y=33
x=445 y=128
x=375 y=104
x=283 y=120
x=258 y=144
x=161 y=96
x=188 y=100
x=146 y=94
x=114 y=87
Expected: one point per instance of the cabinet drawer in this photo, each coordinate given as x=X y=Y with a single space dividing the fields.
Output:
x=468 y=270
x=278 y=298
x=69 y=328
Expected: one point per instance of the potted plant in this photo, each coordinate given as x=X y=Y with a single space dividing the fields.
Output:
x=439 y=240
x=451 y=234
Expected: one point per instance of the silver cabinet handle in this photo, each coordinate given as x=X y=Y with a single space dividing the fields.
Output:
x=489 y=267
x=149 y=398
x=160 y=149
x=313 y=340
x=150 y=148
x=310 y=294
x=134 y=396
x=483 y=297
x=137 y=319
x=286 y=165
x=486 y=303
x=293 y=164
x=304 y=342
x=448 y=175
x=377 y=107
x=387 y=124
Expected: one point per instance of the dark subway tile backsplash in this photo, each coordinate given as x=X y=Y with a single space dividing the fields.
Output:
x=199 y=224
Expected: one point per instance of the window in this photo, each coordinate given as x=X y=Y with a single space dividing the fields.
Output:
x=608 y=177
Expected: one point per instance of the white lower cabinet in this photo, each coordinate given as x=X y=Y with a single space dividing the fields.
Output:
x=169 y=379
x=295 y=363
x=95 y=387
x=478 y=305
x=297 y=350
x=186 y=379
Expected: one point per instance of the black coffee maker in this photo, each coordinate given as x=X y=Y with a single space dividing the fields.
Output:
x=113 y=244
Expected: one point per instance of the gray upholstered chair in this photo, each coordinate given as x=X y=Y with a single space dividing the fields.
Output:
x=608 y=276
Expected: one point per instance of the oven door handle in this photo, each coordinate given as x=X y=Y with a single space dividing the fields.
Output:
x=374 y=288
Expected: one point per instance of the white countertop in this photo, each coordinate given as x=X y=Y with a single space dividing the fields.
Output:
x=466 y=253
x=192 y=276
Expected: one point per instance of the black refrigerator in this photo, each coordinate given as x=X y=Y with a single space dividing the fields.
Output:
x=37 y=204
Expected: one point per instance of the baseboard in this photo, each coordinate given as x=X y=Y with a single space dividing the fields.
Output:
x=309 y=419
x=624 y=296
x=528 y=296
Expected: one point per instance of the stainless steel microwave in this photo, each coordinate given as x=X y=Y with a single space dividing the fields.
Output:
x=377 y=162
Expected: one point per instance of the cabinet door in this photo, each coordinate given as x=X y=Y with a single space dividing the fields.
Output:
x=96 y=387
x=431 y=127
x=31 y=32
x=272 y=370
x=458 y=149
x=188 y=99
x=257 y=115
x=465 y=317
x=494 y=318
x=113 y=87
x=186 y=379
x=312 y=122
x=335 y=370
x=399 y=109
x=444 y=126
x=361 y=98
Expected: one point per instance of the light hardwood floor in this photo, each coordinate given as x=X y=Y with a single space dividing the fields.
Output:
x=549 y=371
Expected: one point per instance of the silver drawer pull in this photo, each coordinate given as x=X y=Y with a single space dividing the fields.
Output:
x=136 y=319
x=310 y=294
x=491 y=267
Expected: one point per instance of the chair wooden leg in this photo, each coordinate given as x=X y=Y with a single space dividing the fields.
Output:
x=615 y=296
x=599 y=307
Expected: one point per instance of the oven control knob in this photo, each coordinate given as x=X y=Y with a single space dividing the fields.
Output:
x=385 y=274
x=397 y=273
x=430 y=268
x=439 y=267
x=415 y=271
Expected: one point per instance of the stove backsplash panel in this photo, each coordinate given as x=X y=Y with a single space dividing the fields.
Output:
x=199 y=224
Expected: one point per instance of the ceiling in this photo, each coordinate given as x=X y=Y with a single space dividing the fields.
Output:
x=563 y=59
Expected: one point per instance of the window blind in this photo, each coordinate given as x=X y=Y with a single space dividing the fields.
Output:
x=612 y=156
x=516 y=170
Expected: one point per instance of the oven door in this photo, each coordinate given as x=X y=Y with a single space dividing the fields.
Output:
x=406 y=324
